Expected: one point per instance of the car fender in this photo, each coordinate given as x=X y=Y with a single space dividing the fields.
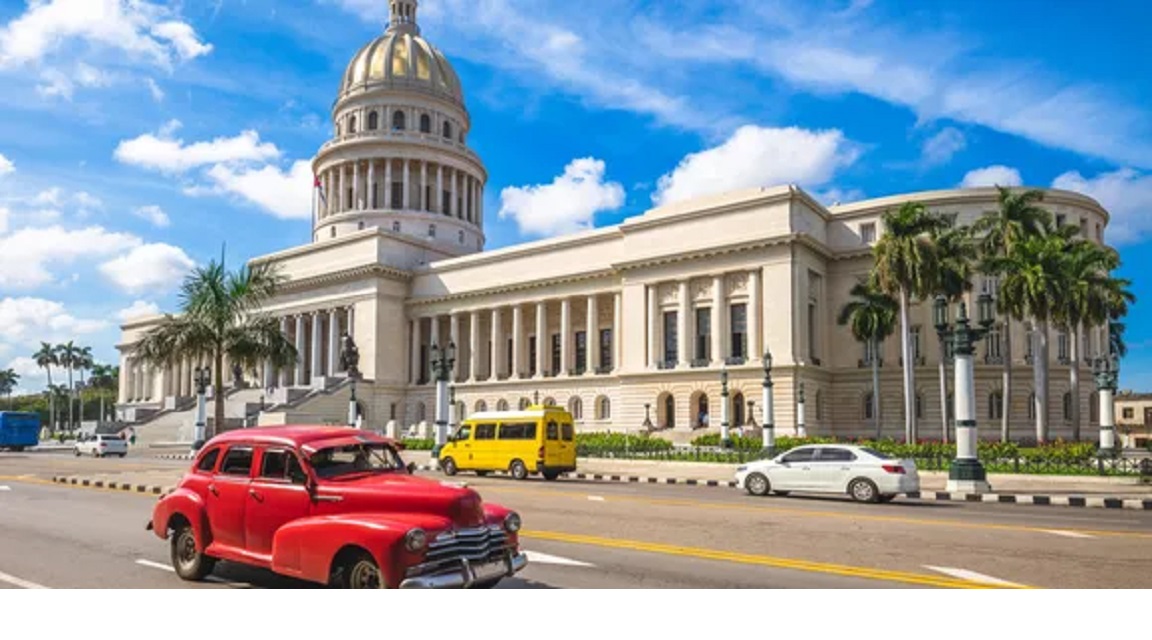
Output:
x=306 y=547
x=494 y=515
x=188 y=504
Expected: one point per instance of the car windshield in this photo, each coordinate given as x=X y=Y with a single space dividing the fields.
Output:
x=873 y=452
x=355 y=459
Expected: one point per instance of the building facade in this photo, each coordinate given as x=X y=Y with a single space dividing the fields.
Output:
x=620 y=324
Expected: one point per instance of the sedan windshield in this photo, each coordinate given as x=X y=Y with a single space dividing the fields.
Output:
x=334 y=462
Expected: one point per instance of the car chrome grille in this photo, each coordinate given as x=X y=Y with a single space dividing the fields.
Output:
x=446 y=551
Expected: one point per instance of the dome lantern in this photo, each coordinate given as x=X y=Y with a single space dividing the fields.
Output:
x=403 y=17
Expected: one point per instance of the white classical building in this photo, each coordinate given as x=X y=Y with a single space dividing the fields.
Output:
x=618 y=324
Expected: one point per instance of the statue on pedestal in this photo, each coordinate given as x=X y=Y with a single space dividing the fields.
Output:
x=349 y=355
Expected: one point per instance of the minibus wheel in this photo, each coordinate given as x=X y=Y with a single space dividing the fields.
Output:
x=518 y=470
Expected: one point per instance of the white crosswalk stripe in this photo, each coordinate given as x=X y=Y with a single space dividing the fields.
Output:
x=965 y=574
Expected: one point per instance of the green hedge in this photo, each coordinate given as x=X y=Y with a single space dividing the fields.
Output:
x=593 y=444
x=419 y=444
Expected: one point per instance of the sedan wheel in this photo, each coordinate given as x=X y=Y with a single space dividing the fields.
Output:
x=360 y=572
x=757 y=484
x=863 y=490
x=189 y=563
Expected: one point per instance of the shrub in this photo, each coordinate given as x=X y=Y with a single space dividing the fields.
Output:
x=595 y=443
x=419 y=444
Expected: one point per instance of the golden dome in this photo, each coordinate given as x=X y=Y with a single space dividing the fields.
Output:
x=401 y=58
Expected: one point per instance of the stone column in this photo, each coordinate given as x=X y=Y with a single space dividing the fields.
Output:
x=455 y=199
x=298 y=380
x=283 y=373
x=454 y=338
x=474 y=346
x=356 y=198
x=496 y=360
x=543 y=345
x=718 y=354
x=424 y=205
x=333 y=341
x=617 y=322
x=517 y=342
x=327 y=193
x=339 y=188
x=122 y=381
x=439 y=199
x=415 y=363
x=387 y=184
x=566 y=336
x=372 y=200
x=683 y=357
x=317 y=346
x=755 y=350
x=654 y=355
x=407 y=195
x=478 y=201
x=592 y=332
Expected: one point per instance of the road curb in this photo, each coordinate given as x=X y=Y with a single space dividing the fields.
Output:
x=174 y=456
x=130 y=487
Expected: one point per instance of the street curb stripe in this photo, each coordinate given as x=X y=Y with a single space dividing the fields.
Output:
x=112 y=486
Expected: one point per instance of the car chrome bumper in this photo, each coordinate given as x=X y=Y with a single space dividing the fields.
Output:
x=469 y=574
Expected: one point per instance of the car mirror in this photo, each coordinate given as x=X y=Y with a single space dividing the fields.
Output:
x=411 y=468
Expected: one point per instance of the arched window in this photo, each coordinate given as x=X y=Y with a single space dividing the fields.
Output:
x=669 y=412
x=425 y=123
x=869 y=409
x=603 y=408
x=419 y=412
x=396 y=226
x=481 y=406
x=524 y=403
x=1067 y=405
x=447 y=129
x=501 y=405
x=373 y=120
x=701 y=418
x=738 y=413
x=351 y=124
x=996 y=405
x=576 y=408
x=398 y=121
x=1032 y=406
x=549 y=401
x=819 y=406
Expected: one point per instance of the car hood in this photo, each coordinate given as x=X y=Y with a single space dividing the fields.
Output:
x=402 y=493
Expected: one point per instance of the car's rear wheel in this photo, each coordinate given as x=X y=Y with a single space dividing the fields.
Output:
x=863 y=490
x=449 y=466
x=189 y=563
x=757 y=484
x=518 y=469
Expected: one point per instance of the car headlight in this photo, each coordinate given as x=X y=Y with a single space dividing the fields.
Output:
x=415 y=540
x=512 y=522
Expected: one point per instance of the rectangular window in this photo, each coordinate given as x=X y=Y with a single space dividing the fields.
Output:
x=868 y=232
x=553 y=430
x=517 y=431
x=1062 y=345
x=274 y=465
x=423 y=364
x=991 y=285
x=992 y=342
x=555 y=352
x=1084 y=228
x=581 y=351
x=813 y=353
x=915 y=335
x=508 y=356
x=606 y=348
x=445 y=201
x=703 y=334
x=670 y=336
x=532 y=355
x=1099 y=233
x=566 y=432
x=739 y=320
x=397 y=195
x=485 y=432
x=1129 y=413
x=237 y=462
x=1060 y=219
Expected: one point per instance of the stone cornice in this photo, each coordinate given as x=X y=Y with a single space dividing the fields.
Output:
x=345 y=275
x=718 y=250
x=945 y=197
x=656 y=218
x=538 y=247
x=526 y=285
x=339 y=241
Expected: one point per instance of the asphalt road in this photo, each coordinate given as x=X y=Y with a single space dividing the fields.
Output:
x=600 y=535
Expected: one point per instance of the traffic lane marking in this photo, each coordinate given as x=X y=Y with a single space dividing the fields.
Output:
x=1068 y=534
x=536 y=557
x=210 y=578
x=965 y=574
x=854 y=515
x=20 y=582
x=764 y=561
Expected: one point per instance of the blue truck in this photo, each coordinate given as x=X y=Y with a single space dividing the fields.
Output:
x=18 y=430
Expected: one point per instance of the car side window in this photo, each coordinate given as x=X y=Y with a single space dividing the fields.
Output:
x=237 y=462
x=463 y=433
x=553 y=430
x=208 y=460
x=802 y=455
x=566 y=432
x=834 y=454
x=274 y=464
x=485 y=432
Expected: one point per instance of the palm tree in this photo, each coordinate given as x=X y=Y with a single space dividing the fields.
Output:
x=221 y=317
x=8 y=380
x=956 y=255
x=104 y=379
x=46 y=359
x=83 y=363
x=57 y=392
x=872 y=317
x=1116 y=342
x=66 y=353
x=906 y=260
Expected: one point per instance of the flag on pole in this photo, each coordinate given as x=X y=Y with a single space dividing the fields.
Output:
x=316 y=184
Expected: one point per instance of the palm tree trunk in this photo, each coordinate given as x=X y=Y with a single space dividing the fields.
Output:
x=1074 y=380
x=51 y=401
x=217 y=395
x=909 y=380
x=81 y=396
x=1040 y=373
x=102 y=414
x=71 y=400
x=876 y=388
x=943 y=394
x=1006 y=396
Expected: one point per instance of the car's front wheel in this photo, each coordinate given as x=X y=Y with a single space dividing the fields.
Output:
x=449 y=466
x=863 y=490
x=360 y=571
x=757 y=484
x=189 y=563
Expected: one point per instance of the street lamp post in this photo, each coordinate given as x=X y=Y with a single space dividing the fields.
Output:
x=202 y=377
x=647 y=419
x=1106 y=370
x=451 y=407
x=801 y=428
x=966 y=473
x=768 y=434
x=725 y=441
x=442 y=362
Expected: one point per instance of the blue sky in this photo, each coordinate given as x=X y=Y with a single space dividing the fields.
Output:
x=137 y=137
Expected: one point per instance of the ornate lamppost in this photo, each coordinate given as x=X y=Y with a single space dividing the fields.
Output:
x=965 y=473
x=202 y=377
x=451 y=407
x=442 y=362
x=350 y=359
x=1106 y=370
x=768 y=434
x=647 y=417
x=725 y=441
x=801 y=428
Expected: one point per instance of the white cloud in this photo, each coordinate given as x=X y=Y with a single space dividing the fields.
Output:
x=163 y=153
x=565 y=205
x=152 y=213
x=27 y=254
x=758 y=157
x=142 y=30
x=148 y=267
x=1125 y=193
x=49 y=197
x=155 y=90
x=993 y=175
x=139 y=309
x=940 y=148
x=6 y=166
x=4 y=215
x=86 y=200
x=286 y=195
x=33 y=319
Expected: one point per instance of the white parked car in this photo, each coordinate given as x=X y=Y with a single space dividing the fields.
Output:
x=864 y=474
x=101 y=445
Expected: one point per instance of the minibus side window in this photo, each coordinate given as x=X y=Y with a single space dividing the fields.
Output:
x=462 y=433
x=518 y=431
x=566 y=431
x=553 y=430
x=486 y=431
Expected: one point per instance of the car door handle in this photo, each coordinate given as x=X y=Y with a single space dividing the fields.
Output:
x=845 y=468
x=256 y=494
x=329 y=498
x=212 y=489
x=805 y=468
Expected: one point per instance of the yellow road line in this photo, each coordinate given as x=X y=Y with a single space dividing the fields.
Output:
x=698 y=504
x=766 y=561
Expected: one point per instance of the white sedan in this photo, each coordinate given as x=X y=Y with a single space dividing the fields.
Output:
x=101 y=445
x=864 y=474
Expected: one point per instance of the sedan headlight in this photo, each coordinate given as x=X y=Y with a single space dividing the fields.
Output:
x=512 y=522
x=415 y=540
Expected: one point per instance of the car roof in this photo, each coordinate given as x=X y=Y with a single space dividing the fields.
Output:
x=535 y=411
x=297 y=435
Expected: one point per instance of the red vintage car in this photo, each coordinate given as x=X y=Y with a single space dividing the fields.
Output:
x=332 y=505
